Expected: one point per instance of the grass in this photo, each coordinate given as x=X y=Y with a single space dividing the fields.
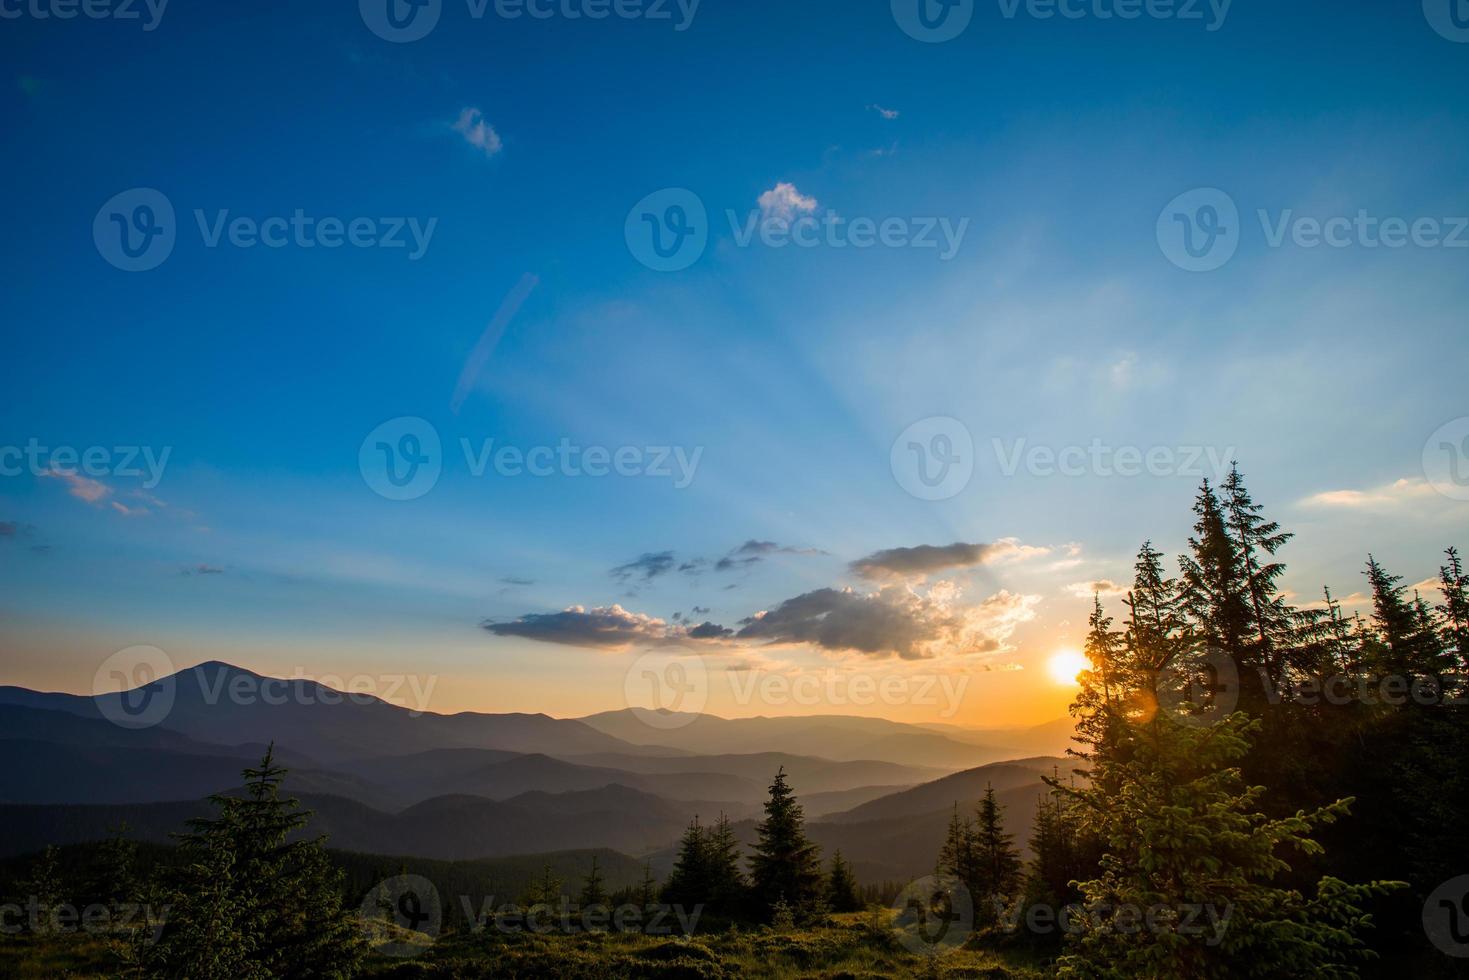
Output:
x=848 y=947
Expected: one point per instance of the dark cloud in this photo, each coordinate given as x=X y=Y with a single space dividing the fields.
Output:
x=8 y=529
x=709 y=631
x=606 y=627
x=516 y=580
x=925 y=559
x=645 y=567
x=892 y=621
x=203 y=570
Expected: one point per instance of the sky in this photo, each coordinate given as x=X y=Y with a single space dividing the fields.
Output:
x=815 y=339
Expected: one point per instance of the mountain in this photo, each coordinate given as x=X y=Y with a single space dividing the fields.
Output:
x=447 y=827
x=226 y=705
x=964 y=788
x=821 y=805
x=837 y=737
x=500 y=775
x=807 y=774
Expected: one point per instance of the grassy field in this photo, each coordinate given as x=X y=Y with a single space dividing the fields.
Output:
x=848 y=947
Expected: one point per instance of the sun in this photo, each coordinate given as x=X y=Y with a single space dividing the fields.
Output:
x=1065 y=666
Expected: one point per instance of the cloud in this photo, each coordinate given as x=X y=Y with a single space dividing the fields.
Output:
x=477 y=132
x=517 y=580
x=645 y=567
x=9 y=529
x=80 y=487
x=924 y=559
x=1382 y=498
x=1103 y=586
x=752 y=552
x=709 y=631
x=604 y=628
x=885 y=113
x=783 y=202
x=893 y=621
x=202 y=569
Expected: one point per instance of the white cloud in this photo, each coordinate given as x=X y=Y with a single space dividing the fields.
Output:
x=477 y=131
x=885 y=113
x=783 y=202
x=1382 y=498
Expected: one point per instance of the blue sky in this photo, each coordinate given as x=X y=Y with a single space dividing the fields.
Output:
x=1059 y=321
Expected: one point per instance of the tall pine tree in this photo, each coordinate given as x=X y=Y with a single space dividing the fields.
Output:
x=786 y=865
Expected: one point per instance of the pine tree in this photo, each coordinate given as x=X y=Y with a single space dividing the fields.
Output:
x=689 y=884
x=648 y=889
x=841 y=886
x=786 y=865
x=276 y=902
x=1405 y=641
x=1215 y=593
x=1272 y=621
x=593 y=891
x=997 y=862
x=545 y=890
x=956 y=858
x=115 y=880
x=44 y=890
x=726 y=895
x=1183 y=834
x=1454 y=611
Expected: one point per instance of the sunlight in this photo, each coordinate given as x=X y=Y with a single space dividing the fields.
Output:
x=1065 y=666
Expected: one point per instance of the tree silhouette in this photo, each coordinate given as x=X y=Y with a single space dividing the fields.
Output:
x=786 y=865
